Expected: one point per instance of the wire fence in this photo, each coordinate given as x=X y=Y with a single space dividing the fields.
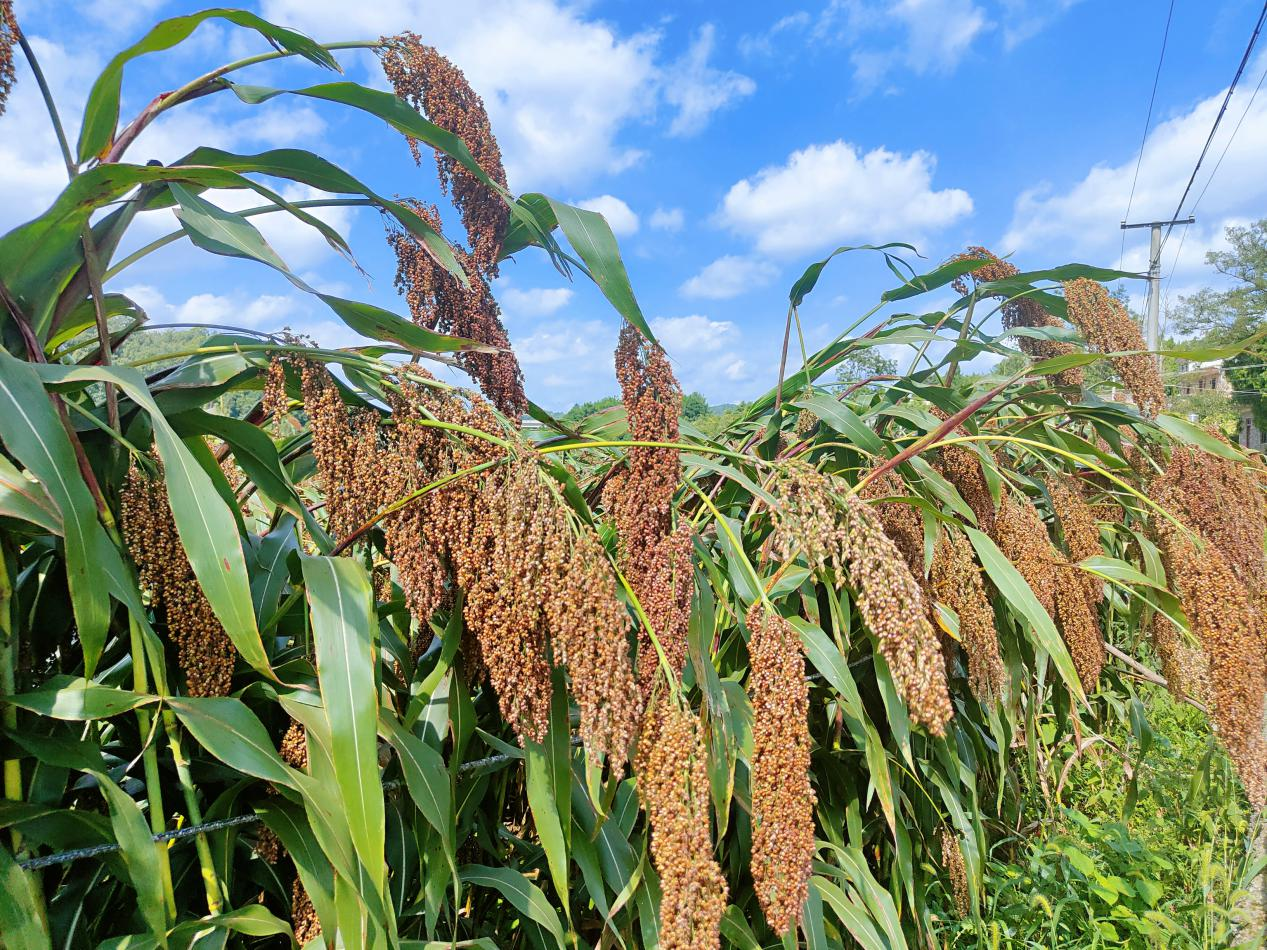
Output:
x=220 y=824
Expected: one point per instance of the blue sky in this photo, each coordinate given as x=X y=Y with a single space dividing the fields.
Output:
x=729 y=145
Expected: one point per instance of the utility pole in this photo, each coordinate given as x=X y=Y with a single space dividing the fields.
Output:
x=1152 y=320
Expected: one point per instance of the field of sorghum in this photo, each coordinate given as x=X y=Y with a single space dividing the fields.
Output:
x=413 y=676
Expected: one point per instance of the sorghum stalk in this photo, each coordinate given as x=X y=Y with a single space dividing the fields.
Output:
x=215 y=904
x=149 y=760
x=8 y=655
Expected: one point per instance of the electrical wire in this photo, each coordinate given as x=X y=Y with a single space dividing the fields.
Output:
x=1148 y=121
x=1240 y=69
x=1183 y=237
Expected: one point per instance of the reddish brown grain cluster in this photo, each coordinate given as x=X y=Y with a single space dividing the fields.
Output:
x=438 y=301
x=303 y=916
x=953 y=863
x=673 y=786
x=433 y=85
x=1060 y=588
x=204 y=650
x=1079 y=624
x=1109 y=328
x=837 y=530
x=1022 y=312
x=902 y=523
x=1223 y=614
x=538 y=589
x=1021 y=536
x=654 y=556
x=782 y=797
x=9 y=34
x=962 y=467
x=1223 y=499
x=957 y=583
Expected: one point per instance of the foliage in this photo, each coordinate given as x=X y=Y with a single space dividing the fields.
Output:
x=583 y=409
x=480 y=691
x=694 y=407
x=861 y=365
x=1147 y=849
x=1232 y=314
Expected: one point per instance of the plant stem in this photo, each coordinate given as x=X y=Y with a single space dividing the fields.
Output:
x=215 y=904
x=8 y=660
x=963 y=335
x=72 y=169
x=149 y=759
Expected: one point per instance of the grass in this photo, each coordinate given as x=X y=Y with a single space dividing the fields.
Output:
x=1148 y=846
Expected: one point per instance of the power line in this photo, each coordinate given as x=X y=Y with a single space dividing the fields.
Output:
x=1249 y=49
x=1217 y=165
x=1148 y=121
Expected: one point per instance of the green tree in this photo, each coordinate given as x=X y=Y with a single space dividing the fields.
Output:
x=694 y=406
x=864 y=363
x=1235 y=313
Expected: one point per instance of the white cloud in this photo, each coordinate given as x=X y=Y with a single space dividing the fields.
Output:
x=1023 y=19
x=558 y=85
x=698 y=89
x=533 y=301
x=584 y=342
x=921 y=36
x=267 y=312
x=703 y=351
x=667 y=219
x=826 y=194
x=619 y=215
x=1081 y=220
x=681 y=336
x=762 y=44
x=729 y=276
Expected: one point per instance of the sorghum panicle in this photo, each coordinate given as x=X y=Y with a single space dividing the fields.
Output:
x=1185 y=667
x=849 y=534
x=655 y=558
x=902 y=523
x=438 y=301
x=303 y=916
x=1227 y=626
x=204 y=651
x=782 y=797
x=1110 y=329
x=957 y=870
x=673 y=786
x=1022 y=538
x=9 y=34
x=433 y=85
x=961 y=466
x=1079 y=625
x=957 y=583
x=891 y=603
x=1078 y=524
x=1021 y=312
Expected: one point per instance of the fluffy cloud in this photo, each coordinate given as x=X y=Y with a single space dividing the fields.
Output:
x=619 y=215
x=1082 y=220
x=729 y=276
x=697 y=89
x=667 y=219
x=532 y=301
x=558 y=103
x=918 y=36
x=704 y=353
x=762 y=44
x=826 y=194
x=267 y=312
